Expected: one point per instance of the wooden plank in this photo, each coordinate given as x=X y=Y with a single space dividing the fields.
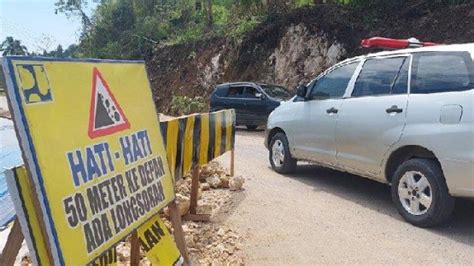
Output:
x=13 y=245
x=178 y=231
x=134 y=249
x=194 y=190
x=232 y=162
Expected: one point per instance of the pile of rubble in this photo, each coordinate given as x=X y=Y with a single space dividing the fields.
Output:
x=215 y=181
x=214 y=176
x=211 y=242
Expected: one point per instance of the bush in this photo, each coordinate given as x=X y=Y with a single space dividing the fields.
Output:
x=184 y=105
x=243 y=26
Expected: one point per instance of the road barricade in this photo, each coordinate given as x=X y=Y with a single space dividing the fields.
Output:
x=197 y=139
x=194 y=140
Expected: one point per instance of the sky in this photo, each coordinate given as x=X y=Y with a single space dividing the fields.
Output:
x=35 y=24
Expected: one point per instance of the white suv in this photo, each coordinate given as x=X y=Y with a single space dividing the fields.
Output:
x=402 y=117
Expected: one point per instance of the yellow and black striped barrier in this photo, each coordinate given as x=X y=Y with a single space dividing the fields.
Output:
x=197 y=139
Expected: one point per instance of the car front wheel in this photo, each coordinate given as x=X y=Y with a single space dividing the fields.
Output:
x=420 y=193
x=279 y=155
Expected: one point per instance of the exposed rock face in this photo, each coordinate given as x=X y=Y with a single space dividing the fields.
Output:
x=195 y=70
x=293 y=48
x=187 y=69
x=299 y=56
x=302 y=55
x=212 y=71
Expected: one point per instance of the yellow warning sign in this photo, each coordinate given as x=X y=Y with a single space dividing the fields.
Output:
x=157 y=243
x=90 y=136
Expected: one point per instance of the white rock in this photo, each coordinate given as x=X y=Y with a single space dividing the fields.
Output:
x=183 y=203
x=205 y=186
x=236 y=183
x=220 y=232
x=224 y=181
x=213 y=181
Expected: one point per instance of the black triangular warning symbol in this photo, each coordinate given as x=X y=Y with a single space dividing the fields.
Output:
x=105 y=115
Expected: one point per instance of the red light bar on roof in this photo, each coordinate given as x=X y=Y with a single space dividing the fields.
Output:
x=386 y=43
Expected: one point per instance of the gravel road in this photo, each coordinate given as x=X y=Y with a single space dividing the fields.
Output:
x=321 y=216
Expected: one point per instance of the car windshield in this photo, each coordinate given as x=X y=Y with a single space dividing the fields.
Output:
x=276 y=91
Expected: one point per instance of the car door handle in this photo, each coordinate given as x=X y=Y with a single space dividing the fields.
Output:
x=332 y=110
x=394 y=109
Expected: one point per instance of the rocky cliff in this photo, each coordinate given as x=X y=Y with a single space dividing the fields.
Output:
x=293 y=48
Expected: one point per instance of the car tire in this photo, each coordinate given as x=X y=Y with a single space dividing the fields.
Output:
x=279 y=155
x=251 y=127
x=420 y=193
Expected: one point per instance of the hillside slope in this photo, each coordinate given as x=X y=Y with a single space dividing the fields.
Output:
x=291 y=49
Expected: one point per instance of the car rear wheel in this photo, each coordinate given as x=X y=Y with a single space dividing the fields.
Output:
x=252 y=127
x=279 y=155
x=420 y=193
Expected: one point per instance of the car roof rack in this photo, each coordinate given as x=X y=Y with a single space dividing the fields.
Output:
x=392 y=44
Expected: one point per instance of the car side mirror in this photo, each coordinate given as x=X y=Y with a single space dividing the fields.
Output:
x=301 y=91
x=260 y=96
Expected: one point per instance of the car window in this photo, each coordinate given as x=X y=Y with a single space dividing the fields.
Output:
x=274 y=91
x=236 y=92
x=377 y=76
x=442 y=72
x=401 y=83
x=250 y=92
x=334 y=84
x=221 y=91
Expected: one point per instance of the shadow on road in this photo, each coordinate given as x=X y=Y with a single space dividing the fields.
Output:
x=244 y=129
x=376 y=196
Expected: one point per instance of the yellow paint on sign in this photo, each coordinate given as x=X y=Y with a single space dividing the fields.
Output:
x=157 y=243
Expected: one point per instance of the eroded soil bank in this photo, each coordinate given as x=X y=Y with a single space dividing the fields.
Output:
x=293 y=48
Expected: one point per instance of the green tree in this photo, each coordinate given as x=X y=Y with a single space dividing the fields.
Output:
x=132 y=28
x=71 y=51
x=210 y=19
x=13 y=47
x=75 y=8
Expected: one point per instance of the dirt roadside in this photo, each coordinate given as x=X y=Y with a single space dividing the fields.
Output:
x=3 y=102
x=320 y=216
x=4 y=107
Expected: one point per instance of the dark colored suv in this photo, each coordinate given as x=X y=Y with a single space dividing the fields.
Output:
x=253 y=102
